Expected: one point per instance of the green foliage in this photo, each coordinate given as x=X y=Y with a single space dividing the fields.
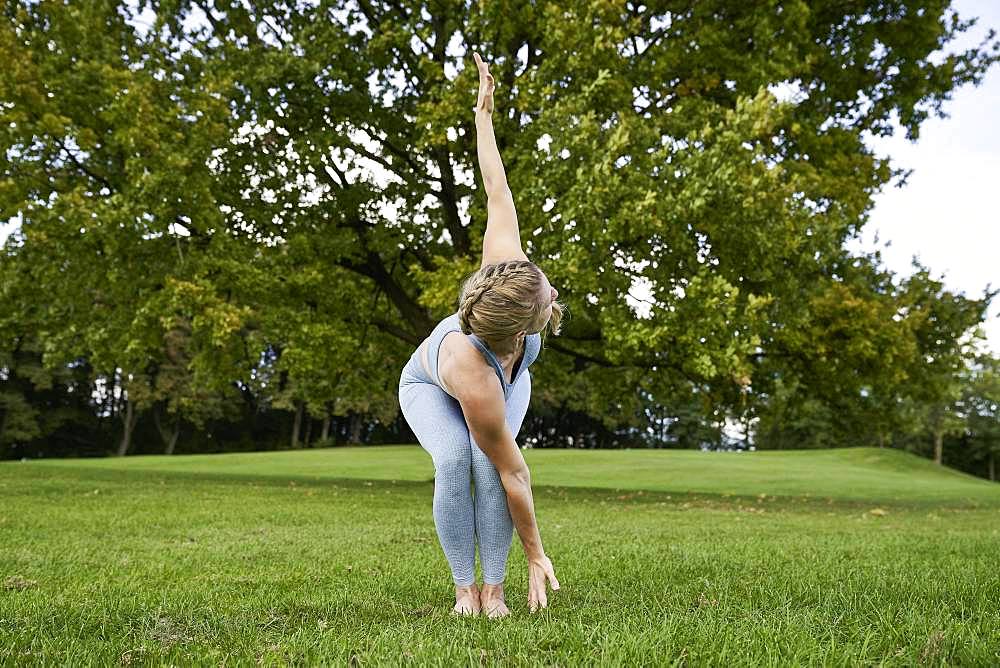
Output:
x=21 y=419
x=278 y=201
x=946 y=328
x=980 y=402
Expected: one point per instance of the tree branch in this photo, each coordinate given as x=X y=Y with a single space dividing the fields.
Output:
x=83 y=168
x=422 y=257
x=600 y=361
x=402 y=334
x=449 y=201
x=374 y=268
x=438 y=52
x=405 y=156
x=217 y=26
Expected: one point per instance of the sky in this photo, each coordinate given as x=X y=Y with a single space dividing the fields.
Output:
x=948 y=213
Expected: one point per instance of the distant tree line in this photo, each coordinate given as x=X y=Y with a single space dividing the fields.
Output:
x=236 y=219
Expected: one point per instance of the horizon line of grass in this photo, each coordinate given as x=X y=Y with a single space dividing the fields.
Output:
x=859 y=475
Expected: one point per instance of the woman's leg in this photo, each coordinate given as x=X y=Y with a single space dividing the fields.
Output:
x=439 y=425
x=494 y=527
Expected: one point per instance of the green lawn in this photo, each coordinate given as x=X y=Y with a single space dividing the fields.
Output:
x=844 y=557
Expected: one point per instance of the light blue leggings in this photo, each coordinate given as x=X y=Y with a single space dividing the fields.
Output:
x=439 y=425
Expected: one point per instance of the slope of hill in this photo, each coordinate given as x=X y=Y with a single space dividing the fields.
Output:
x=858 y=474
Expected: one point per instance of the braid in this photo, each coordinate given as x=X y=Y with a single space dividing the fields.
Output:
x=487 y=278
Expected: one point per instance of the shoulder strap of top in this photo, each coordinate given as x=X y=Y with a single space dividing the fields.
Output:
x=491 y=358
x=532 y=349
x=446 y=326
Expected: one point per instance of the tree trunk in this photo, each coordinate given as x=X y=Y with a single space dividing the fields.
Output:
x=355 y=437
x=993 y=468
x=297 y=424
x=169 y=437
x=129 y=424
x=309 y=430
x=938 y=446
x=173 y=439
x=881 y=440
x=325 y=434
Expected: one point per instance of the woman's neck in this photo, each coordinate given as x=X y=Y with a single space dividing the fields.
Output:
x=506 y=348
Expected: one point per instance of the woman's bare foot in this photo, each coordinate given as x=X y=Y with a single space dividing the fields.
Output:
x=492 y=601
x=466 y=600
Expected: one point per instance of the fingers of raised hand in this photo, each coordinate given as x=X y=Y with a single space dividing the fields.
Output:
x=480 y=65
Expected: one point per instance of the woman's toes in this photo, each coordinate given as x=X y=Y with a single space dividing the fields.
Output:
x=465 y=604
x=496 y=608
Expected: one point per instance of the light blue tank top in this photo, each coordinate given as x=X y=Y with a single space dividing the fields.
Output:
x=532 y=347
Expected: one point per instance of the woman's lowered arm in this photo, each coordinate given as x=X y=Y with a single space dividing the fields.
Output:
x=502 y=240
x=482 y=402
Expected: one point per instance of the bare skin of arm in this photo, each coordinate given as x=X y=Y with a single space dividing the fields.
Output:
x=478 y=390
x=482 y=402
x=502 y=240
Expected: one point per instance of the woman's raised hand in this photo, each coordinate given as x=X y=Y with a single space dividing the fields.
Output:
x=486 y=85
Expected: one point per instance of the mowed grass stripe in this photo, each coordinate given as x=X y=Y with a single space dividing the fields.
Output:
x=858 y=474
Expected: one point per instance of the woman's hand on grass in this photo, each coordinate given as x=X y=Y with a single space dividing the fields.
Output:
x=486 y=85
x=540 y=572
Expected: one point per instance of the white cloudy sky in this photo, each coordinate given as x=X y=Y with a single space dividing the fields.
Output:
x=947 y=214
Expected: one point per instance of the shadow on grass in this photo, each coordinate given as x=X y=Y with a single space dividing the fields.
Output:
x=603 y=495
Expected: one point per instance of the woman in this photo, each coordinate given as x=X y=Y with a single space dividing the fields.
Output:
x=465 y=390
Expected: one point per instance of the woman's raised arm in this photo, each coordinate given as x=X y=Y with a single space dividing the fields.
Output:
x=502 y=240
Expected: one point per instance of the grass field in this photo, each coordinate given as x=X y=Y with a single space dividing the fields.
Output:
x=845 y=557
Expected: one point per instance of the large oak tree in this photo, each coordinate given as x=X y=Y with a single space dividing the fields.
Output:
x=293 y=182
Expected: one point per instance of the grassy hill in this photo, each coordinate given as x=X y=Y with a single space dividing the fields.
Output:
x=330 y=557
x=849 y=474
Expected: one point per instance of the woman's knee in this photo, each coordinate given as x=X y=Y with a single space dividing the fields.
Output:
x=488 y=488
x=486 y=476
x=453 y=463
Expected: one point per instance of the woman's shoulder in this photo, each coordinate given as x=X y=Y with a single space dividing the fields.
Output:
x=461 y=364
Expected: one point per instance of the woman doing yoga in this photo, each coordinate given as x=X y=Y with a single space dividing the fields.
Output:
x=465 y=390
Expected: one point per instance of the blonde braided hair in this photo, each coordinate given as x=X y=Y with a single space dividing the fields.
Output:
x=504 y=298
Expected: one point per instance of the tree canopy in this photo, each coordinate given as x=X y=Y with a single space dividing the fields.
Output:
x=271 y=203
